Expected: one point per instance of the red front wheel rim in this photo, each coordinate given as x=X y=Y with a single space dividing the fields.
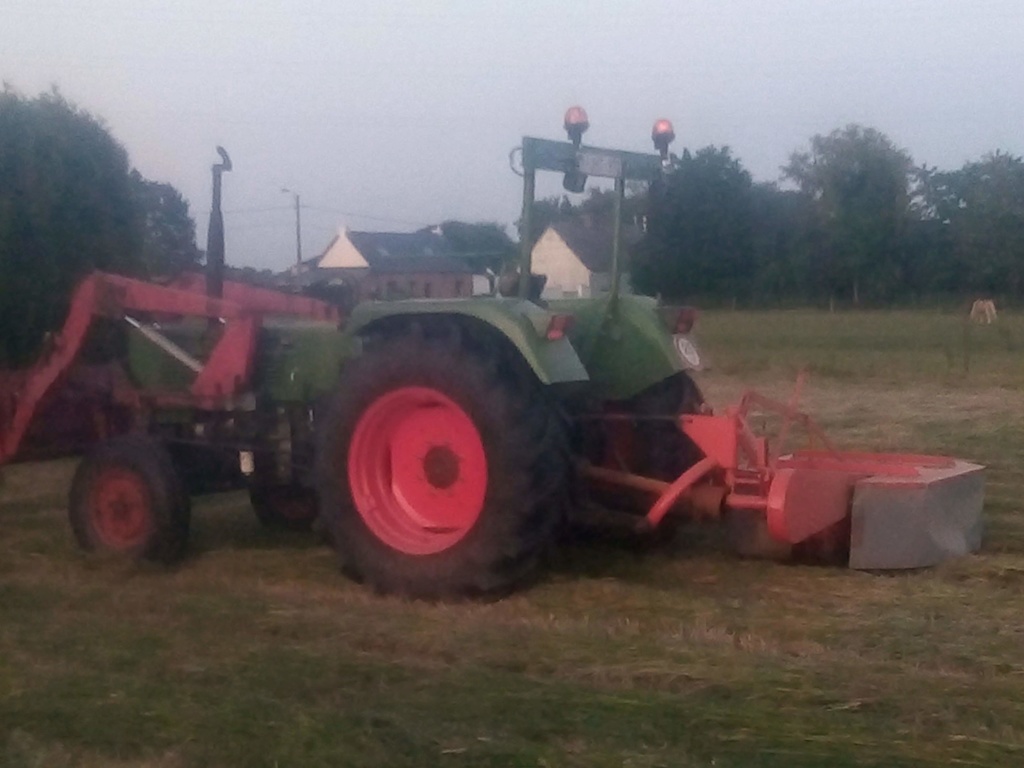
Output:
x=120 y=508
x=417 y=470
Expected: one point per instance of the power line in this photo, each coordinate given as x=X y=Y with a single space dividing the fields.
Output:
x=260 y=210
x=371 y=217
x=327 y=209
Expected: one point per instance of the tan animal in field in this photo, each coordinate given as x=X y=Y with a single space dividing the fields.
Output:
x=983 y=311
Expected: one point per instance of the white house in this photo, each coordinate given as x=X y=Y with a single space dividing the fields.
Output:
x=577 y=260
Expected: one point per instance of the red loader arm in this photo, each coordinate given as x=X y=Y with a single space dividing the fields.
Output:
x=224 y=374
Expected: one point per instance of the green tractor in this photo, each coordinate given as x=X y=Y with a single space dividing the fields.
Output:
x=445 y=444
x=450 y=456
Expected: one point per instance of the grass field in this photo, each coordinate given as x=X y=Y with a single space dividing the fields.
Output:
x=255 y=651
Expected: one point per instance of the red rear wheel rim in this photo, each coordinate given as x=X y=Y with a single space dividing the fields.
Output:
x=417 y=470
x=120 y=508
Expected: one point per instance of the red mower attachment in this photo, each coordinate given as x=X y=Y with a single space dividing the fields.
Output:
x=874 y=511
x=887 y=511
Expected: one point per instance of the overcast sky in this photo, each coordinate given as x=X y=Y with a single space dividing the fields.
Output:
x=393 y=115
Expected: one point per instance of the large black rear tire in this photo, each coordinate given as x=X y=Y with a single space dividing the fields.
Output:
x=442 y=470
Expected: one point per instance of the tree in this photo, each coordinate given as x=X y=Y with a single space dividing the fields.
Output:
x=981 y=210
x=66 y=206
x=699 y=236
x=783 y=240
x=168 y=232
x=69 y=204
x=595 y=209
x=859 y=183
x=485 y=246
x=544 y=213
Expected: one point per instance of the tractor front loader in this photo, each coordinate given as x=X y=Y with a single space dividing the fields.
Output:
x=444 y=444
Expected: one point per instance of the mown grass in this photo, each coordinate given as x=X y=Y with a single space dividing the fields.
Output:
x=255 y=651
x=897 y=347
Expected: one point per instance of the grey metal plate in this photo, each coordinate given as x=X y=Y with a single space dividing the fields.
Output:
x=914 y=523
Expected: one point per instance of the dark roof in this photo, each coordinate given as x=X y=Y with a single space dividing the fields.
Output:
x=592 y=244
x=402 y=252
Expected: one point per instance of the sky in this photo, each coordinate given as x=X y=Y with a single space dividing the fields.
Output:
x=396 y=115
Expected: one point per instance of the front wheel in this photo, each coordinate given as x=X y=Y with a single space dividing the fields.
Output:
x=127 y=499
x=442 y=471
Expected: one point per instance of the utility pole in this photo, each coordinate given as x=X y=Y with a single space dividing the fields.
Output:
x=298 y=226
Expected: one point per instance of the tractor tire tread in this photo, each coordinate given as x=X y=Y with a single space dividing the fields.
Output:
x=528 y=468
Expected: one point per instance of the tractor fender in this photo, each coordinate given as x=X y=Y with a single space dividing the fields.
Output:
x=521 y=323
x=626 y=344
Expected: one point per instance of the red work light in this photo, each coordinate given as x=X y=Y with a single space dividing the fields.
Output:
x=679 y=319
x=558 y=326
x=662 y=134
x=685 y=319
x=576 y=124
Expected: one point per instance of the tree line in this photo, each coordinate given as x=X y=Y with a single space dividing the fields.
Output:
x=853 y=221
x=70 y=202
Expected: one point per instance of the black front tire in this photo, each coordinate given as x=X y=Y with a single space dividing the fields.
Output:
x=127 y=499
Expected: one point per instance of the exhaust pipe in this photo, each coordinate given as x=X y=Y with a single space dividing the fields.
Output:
x=215 y=233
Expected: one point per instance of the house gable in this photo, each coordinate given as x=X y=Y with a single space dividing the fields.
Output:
x=341 y=253
x=387 y=265
x=577 y=258
x=566 y=273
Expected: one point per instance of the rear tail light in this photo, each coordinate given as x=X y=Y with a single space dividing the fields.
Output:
x=684 y=322
x=558 y=327
x=679 y=319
